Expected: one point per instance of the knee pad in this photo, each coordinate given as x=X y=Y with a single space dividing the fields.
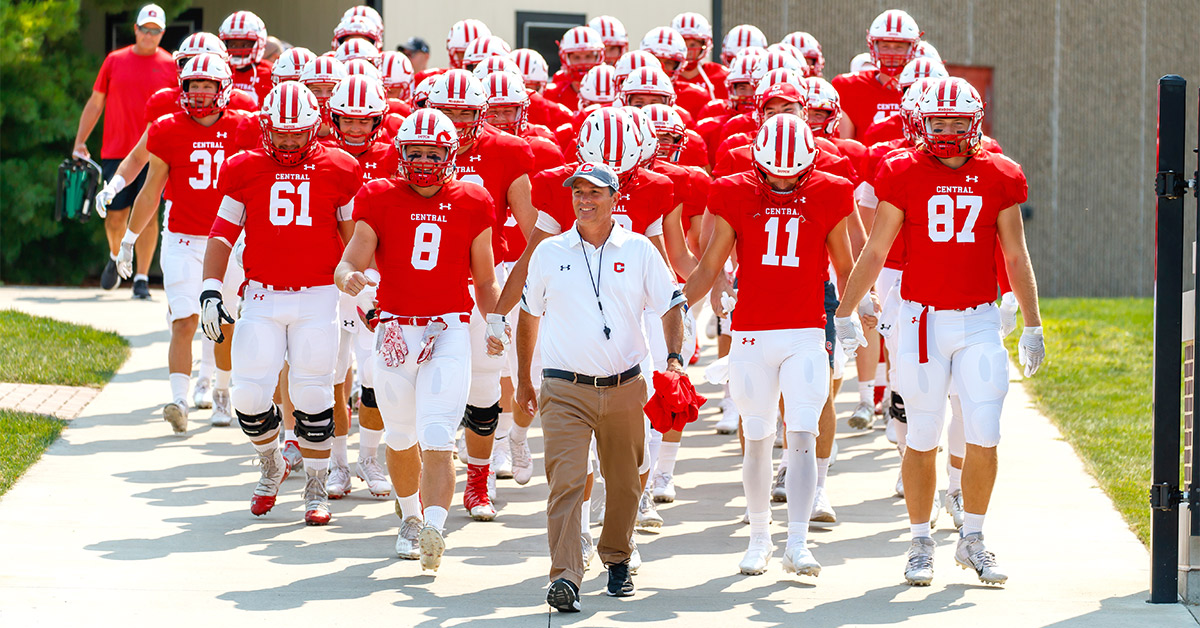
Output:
x=482 y=421
x=367 y=399
x=260 y=425
x=897 y=408
x=924 y=434
x=314 y=428
x=982 y=428
x=758 y=428
x=399 y=439
x=437 y=436
x=250 y=398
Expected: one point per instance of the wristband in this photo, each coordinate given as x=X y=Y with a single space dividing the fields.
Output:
x=372 y=274
x=130 y=237
x=212 y=284
x=676 y=356
x=117 y=183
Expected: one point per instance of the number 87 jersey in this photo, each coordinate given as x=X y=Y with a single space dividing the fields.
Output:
x=950 y=223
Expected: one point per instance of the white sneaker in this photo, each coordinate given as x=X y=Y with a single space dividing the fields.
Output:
x=202 y=396
x=890 y=432
x=728 y=423
x=522 y=460
x=502 y=458
x=222 y=414
x=370 y=471
x=822 y=512
x=588 y=546
x=755 y=560
x=746 y=517
x=798 y=560
x=663 y=488
x=900 y=484
x=971 y=554
x=954 y=506
x=176 y=414
x=406 y=542
x=710 y=329
x=779 y=488
x=833 y=453
x=491 y=486
x=862 y=418
x=919 y=570
x=936 y=510
x=635 y=559
x=647 y=516
x=338 y=483
x=432 y=546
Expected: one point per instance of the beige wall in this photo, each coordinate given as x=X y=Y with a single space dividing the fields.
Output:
x=501 y=17
x=1074 y=90
x=307 y=23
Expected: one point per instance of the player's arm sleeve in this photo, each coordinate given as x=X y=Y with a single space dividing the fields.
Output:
x=533 y=298
x=547 y=223
x=230 y=220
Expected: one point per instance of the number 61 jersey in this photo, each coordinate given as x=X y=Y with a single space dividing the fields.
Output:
x=290 y=214
x=424 y=246
x=950 y=223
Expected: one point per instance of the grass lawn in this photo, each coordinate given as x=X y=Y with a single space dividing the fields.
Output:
x=39 y=350
x=1095 y=386
x=23 y=438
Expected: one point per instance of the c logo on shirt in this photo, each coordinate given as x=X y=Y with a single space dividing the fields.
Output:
x=618 y=267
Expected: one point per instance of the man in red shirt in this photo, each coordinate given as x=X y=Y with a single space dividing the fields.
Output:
x=187 y=150
x=787 y=220
x=951 y=201
x=293 y=199
x=431 y=236
x=126 y=80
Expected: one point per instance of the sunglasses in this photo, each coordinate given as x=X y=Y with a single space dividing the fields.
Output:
x=150 y=31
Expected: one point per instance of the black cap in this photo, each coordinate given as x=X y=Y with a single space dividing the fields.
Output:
x=415 y=44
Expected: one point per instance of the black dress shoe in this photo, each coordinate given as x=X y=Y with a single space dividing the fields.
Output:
x=620 y=583
x=109 y=280
x=563 y=595
x=141 y=289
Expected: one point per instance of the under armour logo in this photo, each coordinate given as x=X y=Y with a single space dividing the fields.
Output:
x=914 y=320
x=258 y=297
x=221 y=134
x=624 y=197
x=369 y=165
x=565 y=267
x=310 y=166
x=747 y=341
x=185 y=242
x=476 y=158
x=800 y=200
x=971 y=178
x=443 y=206
x=346 y=323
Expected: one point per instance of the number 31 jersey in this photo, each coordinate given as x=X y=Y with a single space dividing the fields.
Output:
x=290 y=214
x=780 y=247
x=950 y=223
x=424 y=248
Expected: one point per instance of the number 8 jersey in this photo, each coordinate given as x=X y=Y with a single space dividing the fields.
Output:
x=424 y=248
x=290 y=214
x=950 y=223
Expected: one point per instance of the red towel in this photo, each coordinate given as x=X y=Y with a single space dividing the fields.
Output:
x=675 y=402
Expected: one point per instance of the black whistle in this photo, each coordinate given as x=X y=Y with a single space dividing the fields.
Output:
x=607 y=333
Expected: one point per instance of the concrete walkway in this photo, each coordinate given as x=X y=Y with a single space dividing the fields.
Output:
x=64 y=402
x=121 y=522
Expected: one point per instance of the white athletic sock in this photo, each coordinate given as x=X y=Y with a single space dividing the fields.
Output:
x=666 y=458
x=436 y=517
x=208 y=360
x=180 y=382
x=822 y=471
x=504 y=425
x=919 y=529
x=585 y=515
x=801 y=484
x=972 y=523
x=316 y=464
x=866 y=391
x=339 y=455
x=518 y=433
x=756 y=475
x=368 y=442
x=265 y=447
x=221 y=379
x=760 y=525
x=141 y=277
x=955 y=483
x=289 y=435
x=479 y=462
x=656 y=442
x=410 y=506
x=881 y=373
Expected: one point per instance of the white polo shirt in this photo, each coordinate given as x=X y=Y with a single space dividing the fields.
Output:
x=632 y=279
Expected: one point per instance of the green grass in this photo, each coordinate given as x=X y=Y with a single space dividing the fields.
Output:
x=23 y=438
x=1095 y=386
x=39 y=350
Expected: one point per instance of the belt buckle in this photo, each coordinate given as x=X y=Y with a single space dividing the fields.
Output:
x=596 y=383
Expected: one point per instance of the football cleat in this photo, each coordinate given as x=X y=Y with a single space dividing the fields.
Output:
x=900 y=484
x=475 y=495
x=892 y=436
x=971 y=554
x=755 y=560
x=291 y=454
x=728 y=423
x=222 y=414
x=432 y=547
x=338 y=484
x=141 y=289
x=176 y=414
x=663 y=489
x=798 y=560
x=954 y=506
x=202 y=396
x=822 y=512
x=316 y=499
x=588 y=546
x=937 y=509
x=779 y=488
x=522 y=460
x=407 y=546
x=647 y=516
x=862 y=418
x=370 y=471
x=502 y=458
x=919 y=570
x=274 y=472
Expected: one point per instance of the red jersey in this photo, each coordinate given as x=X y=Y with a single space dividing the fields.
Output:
x=424 y=249
x=426 y=73
x=781 y=244
x=562 y=93
x=290 y=214
x=640 y=209
x=711 y=79
x=950 y=223
x=692 y=99
x=865 y=100
x=379 y=161
x=886 y=130
x=546 y=156
x=254 y=80
x=547 y=112
x=194 y=154
x=853 y=150
x=536 y=130
x=127 y=80
x=495 y=160
x=399 y=107
x=695 y=151
x=166 y=101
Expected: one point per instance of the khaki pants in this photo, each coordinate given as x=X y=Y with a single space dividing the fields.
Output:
x=570 y=414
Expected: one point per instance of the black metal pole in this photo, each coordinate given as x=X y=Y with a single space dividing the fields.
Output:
x=1194 y=463
x=1168 y=338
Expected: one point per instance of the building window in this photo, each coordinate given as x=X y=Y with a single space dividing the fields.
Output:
x=542 y=31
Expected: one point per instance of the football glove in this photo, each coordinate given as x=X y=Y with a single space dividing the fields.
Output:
x=213 y=315
x=497 y=328
x=849 y=333
x=1031 y=350
x=1008 y=314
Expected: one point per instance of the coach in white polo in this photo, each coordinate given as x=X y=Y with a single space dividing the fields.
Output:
x=586 y=290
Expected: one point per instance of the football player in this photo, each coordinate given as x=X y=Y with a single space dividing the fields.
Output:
x=580 y=50
x=871 y=95
x=612 y=31
x=245 y=38
x=668 y=46
x=697 y=35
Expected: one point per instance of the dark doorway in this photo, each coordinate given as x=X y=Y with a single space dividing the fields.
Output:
x=542 y=31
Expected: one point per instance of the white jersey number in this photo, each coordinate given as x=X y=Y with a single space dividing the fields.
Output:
x=941 y=217
x=427 y=239
x=283 y=209
x=789 y=258
x=208 y=164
